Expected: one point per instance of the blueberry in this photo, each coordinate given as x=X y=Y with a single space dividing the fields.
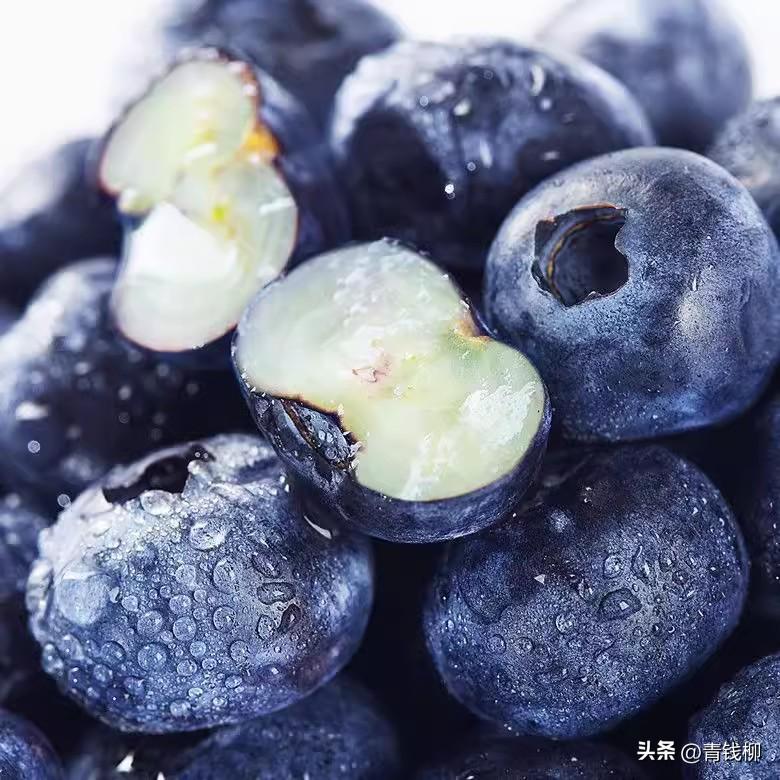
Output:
x=394 y=409
x=309 y=46
x=24 y=752
x=201 y=238
x=530 y=759
x=51 y=214
x=761 y=516
x=75 y=399
x=686 y=61
x=105 y=754
x=643 y=284
x=745 y=712
x=436 y=141
x=748 y=147
x=618 y=580
x=19 y=529
x=187 y=591
x=338 y=732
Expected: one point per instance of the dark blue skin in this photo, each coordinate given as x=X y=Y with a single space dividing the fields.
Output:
x=306 y=169
x=746 y=710
x=644 y=286
x=309 y=46
x=748 y=147
x=336 y=733
x=19 y=529
x=530 y=759
x=617 y=581
x=686 y=61
x=435 y=142
x=761 y=514
x=89 y=400
x=187 y=591
x=51 y=214
x=25 y=754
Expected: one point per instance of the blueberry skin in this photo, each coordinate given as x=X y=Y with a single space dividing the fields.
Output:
x=338 y=732
x=689 y=340
x=615 y=583
x=533 y=759
x=686 y=61
x=760 y=519
x=75 y=399
x=187 y=591
x=19 y=529
x=748 y=147
x=746 y=710
x=317 y=454
x=25 y=753
x=51 y=214
x=309 y=46
x=435 y=142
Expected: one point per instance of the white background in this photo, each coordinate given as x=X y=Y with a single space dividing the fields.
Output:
x=62 y=60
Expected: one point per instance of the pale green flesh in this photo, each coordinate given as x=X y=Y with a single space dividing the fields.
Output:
x=218 y=221
x=380 y=336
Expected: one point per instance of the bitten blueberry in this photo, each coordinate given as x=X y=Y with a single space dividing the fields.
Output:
x=530 y=759
x=75 y=399
x=616 y=582
x=51 y=214
x=748 y=147
x=686 y=61
x=436 y=142
x=25 y=754
x=338 y=732
x=237 y=188
x=309 y=46
x=187 y=591
x=746 y=712
x=644 y=286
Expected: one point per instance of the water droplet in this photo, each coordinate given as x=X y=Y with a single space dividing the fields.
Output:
x=198 y=649
x=613 y=566
x=134 y=686
x=223 y=618
x=179 y=709
x=112 y=652
x=180 y=605
x=152 y=657
x=186 y=574
x=157 y=502
x=186 y=668
x=619 y=604
x=265 y=565
x=462 y=108
x=233 y=681
x=290 y=618
x=565 y=622
x=497 y=644
x=150 y=623
x=225 y=576
x=239 y=651
x=207 y=535
x=265 y=627
x=640 y=565
x=184 y=628
x=275 y=592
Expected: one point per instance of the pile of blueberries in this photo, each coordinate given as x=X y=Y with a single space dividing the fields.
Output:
x=374 y=408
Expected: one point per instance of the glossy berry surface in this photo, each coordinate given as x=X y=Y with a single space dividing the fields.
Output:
x=187 y=591
x=435 y=142
x=337 y=733
x=618 y=580
x=686 y=61
x=51 y=215
x=25 y=754
x=746 y=711
x=308 y=46
x=748 y=147
x=529 y=759
x=643 y=285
